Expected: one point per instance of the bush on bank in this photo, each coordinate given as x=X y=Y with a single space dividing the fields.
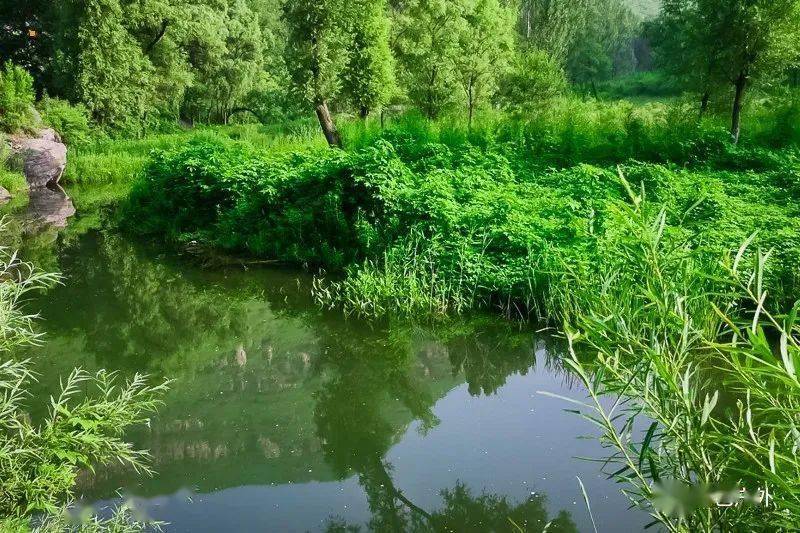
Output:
x=481 y=226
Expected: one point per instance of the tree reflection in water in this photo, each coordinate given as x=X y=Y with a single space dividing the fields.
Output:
x=463 y=512
x=270 y=390
x=352 y=423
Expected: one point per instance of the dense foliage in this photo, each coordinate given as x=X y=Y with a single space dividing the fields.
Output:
x=16 y=98
x=143 y=66
x=472 y=222
x=139 y=67
x=521 y=190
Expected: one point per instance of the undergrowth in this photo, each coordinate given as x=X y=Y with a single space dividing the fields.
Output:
x=422 y=228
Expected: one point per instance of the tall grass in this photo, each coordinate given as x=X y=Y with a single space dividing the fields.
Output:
x=408 y=280
x=692 y=347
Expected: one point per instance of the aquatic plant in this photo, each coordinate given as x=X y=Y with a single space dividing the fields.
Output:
x=689 y=348
x=40 y=461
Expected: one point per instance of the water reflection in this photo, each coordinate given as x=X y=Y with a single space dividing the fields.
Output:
x=283 y=417
x=465 y=512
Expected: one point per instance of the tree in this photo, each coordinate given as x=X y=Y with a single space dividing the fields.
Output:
x=484 y=48
x=272 y=100
x=113 y=76
x=552 y=25
x=25 y=39
x=316 y=55
x=737 y=42
x=607 y=36
x=232 y=68
x=754 y=40
x=534 y=78
x=427 y=48
x=160 y=27
x=680 y=51
x=369 y=76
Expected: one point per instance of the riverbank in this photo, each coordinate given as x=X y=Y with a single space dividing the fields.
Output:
x=427 y=222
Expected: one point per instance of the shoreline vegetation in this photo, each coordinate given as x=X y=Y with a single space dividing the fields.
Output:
x=84 y=426
x=425 y=219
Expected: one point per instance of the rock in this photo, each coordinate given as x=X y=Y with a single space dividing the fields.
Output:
x=5 y=196
x=43 y=158
x=50 y=134
x=49 y=207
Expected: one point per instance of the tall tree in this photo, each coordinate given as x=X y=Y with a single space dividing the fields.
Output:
x=738 y=42
x=317 y=54
x=236 y=67
x=754 y=40
x=369 y=75
x=534 y=79
x=607 y=36
x=26 y=35
x=553 y=25
x=427 y=48
x=680 y=50
x=273 y=98
x=113 y=76
x=485 y=45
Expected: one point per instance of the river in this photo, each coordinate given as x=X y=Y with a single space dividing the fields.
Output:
x=282 y=417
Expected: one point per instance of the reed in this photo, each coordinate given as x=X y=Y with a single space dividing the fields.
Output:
x=692 y=350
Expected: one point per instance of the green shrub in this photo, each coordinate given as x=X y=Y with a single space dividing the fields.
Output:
x=427 y=227
x=70 y=121
x=16 y=99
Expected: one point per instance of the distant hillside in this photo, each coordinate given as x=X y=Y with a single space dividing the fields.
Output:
x=645 y=8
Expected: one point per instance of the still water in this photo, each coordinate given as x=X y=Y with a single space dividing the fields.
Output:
x=285 y=418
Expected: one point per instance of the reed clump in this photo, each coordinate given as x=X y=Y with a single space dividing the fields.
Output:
x=690 y=369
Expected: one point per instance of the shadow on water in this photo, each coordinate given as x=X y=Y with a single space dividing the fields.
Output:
x=286 y=418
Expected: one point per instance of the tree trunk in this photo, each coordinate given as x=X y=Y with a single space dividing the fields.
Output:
x=736 y=115
x=704 y=103
x=328 y=127
x=470 y=105
x=363 y=112
x=594 y=90
x=383 y=116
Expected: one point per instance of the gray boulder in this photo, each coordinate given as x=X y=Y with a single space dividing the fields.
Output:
x=43 y=158
x=5 y=196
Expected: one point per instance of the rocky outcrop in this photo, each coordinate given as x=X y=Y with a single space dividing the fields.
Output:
x=42 y=158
